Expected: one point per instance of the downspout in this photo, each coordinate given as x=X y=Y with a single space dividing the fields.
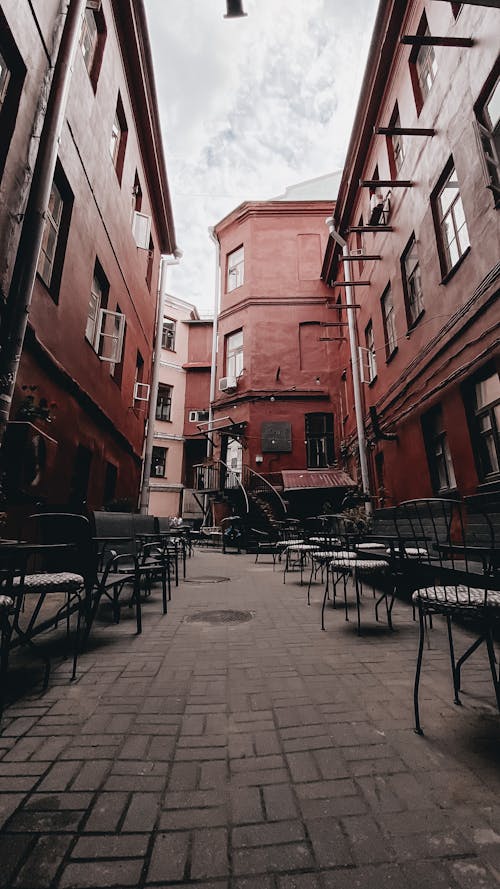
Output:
x=165 y=261
x=213 y=369
x=24 y=274
x=356 y=382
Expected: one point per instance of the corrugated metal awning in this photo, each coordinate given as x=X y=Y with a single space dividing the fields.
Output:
x=295 y=479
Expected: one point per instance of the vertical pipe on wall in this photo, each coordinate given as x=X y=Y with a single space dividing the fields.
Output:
x=165 y=261
x=23 y=278
x=213 y=369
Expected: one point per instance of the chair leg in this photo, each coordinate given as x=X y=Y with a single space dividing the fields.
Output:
x=358 y=597
x=492 y=660
x=456 y=685
x=77 y=638
x=309 y=584
x=324 y=606
x=418 y=727
x=137 y=598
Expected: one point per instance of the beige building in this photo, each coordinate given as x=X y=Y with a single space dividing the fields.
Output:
x=168 y=449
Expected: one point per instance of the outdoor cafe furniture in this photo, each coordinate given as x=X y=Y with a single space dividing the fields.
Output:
x=29 y=570
x=452 y=578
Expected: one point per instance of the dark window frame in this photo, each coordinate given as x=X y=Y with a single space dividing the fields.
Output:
x=163 y=410
x=390 y=336
x=320 y=442
x=488 y=134
x=407 y=280
x=159 y=461
x=473 y=414
x=120 y=143
x=439 y=457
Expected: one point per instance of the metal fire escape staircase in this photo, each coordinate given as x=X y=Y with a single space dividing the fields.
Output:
x=252 y=496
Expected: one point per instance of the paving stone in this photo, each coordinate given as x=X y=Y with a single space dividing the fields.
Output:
x=246 y=806
x=124 y=846
x=101 y=873
x=184 y=819
x=279 y=802
x=330 y=846
x=270 y=859
x=106 y=812
x=268 y=834
x=168 y=858
x=209 y=854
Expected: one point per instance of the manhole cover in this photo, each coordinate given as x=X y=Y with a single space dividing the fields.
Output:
x=219 y=617
x=206 y=579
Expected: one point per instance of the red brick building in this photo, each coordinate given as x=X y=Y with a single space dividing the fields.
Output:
x=91 y=324
x=273 y=384
x=419 y=207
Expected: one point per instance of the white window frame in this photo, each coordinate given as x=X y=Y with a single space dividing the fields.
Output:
x=141 y=391
x=141 y=229
x=487 y=130
x=89 y=37
x=5 y=75
x=426 y=67
x=398 y=146
x=454 y=234
x=47 y=257
x=367 y=357
x=235 y=269
x=234 y=354
x=198 y=416
x=103 y=336
x=388 y=314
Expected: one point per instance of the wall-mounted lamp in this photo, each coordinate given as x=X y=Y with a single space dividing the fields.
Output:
x=234 y=9
x=259 y=458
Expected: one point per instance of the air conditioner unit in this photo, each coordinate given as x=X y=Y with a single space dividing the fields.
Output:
x=228 y=384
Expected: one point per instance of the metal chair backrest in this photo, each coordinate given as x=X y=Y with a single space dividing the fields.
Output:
x=437 y=530
x=115 y=525
x=64 y=527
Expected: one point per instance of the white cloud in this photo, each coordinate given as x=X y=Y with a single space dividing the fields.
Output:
x=250 y=106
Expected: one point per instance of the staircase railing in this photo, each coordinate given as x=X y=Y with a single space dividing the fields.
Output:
x=209 y=478
x=256 y=483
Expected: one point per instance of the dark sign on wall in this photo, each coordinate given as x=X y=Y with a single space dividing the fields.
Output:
x=276 y=437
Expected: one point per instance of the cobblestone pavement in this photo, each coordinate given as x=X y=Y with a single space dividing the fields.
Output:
x=256 y=755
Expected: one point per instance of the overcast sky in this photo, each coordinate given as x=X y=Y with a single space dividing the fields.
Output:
x=249 y=106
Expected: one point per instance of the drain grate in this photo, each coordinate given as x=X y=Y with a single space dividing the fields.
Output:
x=226 y=616
x=206 y=578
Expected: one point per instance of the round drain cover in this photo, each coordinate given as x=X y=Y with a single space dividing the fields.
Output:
x=206 y=579
x=219 y=617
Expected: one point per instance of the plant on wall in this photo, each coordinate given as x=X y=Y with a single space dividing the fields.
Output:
x=34 y=407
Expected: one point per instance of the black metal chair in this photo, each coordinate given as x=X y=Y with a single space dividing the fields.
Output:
x=451 y=577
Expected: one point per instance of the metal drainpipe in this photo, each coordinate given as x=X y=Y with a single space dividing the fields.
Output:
x=358 y=401
x=23 y=278
x=353 y=345
x=213 y=369
x=155 y=376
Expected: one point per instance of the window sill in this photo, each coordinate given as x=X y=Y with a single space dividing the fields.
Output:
x=449 y=275
x=392 y=355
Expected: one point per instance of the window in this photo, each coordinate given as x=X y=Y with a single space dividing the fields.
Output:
x=423 y=66
x=92 y=40
x=319 y=440
x=105 y=330
x=159 y=462
x=4 y=80
x=482 y=402
x=389 y=321
x=151 y=259
x=453 y=236
x=234 y=354
x=164 y=403
x=55 y=234
x=487 y=125
x=168 y=335
x=136 y=194
x=371 y=359
x=98 y=300
x=235 y=269
x=116 y=369
x=395 y=144
x=438 y=451
x=12 y=74
x=118 y=139
x=412 y=283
